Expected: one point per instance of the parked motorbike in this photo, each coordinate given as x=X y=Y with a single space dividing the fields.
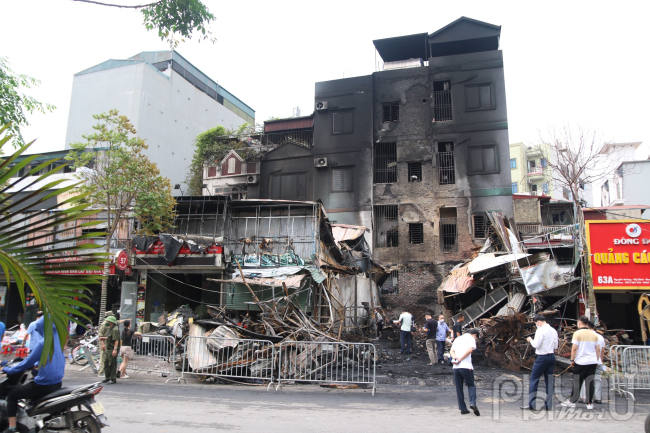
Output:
x=66 y=410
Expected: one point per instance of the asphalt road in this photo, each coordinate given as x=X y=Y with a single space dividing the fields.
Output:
x=145 y=404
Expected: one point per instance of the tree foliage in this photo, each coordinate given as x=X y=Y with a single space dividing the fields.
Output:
x=45 y=266
x=121 y=179
x=175 y=20
x=212 y=146
x=14 y=104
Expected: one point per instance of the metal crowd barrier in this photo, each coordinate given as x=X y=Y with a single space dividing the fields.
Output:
x=154 y=354
x=327 y=362
x=630 y=369
x=229 y=358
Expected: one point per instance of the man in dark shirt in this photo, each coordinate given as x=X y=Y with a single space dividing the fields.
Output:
x=431 y=327
x=457 y=329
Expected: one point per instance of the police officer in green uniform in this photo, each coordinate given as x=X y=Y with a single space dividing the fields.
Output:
x=111 y=349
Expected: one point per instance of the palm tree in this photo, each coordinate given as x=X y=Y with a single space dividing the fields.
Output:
x=28 y=245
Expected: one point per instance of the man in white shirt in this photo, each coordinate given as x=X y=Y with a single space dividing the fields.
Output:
x=545 y=344
x=584 y=360
x=598 y=379
x=405 y=319
x=461 y=354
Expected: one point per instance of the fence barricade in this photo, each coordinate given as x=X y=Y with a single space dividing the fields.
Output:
x=229 y=358
x=630 y=369
x=327 y=362
x=154 y=354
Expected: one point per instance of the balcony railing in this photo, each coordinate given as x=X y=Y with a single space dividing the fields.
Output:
x=301 y=138
x=536 y=229
x=537 y=171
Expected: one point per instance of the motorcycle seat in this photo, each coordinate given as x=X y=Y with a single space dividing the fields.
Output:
x=58 y=393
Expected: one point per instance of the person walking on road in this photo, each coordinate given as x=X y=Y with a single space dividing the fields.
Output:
x=545 y=344
x=441 y=338
x=126 y=352
x=431 y=328
x=111 y=349
x=405 y=320
x=598 y=378
x=584 y=360
x=461 y=354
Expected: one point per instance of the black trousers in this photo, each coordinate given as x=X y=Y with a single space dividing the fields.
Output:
x=29 y=391
x=580 y=374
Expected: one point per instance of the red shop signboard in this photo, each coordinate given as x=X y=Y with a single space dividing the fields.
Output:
x=619 y=253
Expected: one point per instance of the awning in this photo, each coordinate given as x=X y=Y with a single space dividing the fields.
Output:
x=492 y=260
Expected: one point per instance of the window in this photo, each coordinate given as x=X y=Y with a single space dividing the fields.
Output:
x=390 y=112
x=482 y=160
x=212 y=171
x=479 y=224
x=342 y=122
x=545 y=187
x=533 y=189
x=251 y=167
x=446 y=163
x=288 y=186
x=385 y=233
x=515 y=188
x=415 y=172
x=231 y=165
x=385 y=163
x=341 y=180
x=448 y=230
x=391 y=285
x=513 y=163
x=442 y=101
x=543 y=162
x=479 y=97
x=416 y=233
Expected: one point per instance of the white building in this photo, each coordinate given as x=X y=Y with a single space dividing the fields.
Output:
x=167 y=99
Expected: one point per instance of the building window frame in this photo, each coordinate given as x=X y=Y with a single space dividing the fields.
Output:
x=515 y=187
x=386 y=226
x=446 y=162
x=492 y=104
x=391 y=285
x=479 y=226
x=384 y=168
x=415 y=171
x=513 y=163
x=344 y=171
x=416 y=233
x=390 y=112
x=483 y=148
x=343 y=130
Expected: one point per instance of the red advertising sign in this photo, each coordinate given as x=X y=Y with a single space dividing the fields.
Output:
x=122 y=260
x=619 y=254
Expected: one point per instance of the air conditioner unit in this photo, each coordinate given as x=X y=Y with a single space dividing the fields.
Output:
x=320 y=162
x=321 y=106
x=252 y=179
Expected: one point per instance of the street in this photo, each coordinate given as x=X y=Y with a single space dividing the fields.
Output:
x=145 y=404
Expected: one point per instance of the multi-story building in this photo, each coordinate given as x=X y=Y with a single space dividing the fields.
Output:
x=418 y=152
x=167 y=99
x=530 y=172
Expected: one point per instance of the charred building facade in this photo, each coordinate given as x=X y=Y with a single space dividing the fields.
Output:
x=417 y=152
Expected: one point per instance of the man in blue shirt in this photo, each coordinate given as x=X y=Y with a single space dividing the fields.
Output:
x=441 y=336
x=34 y=337
x=47 y=380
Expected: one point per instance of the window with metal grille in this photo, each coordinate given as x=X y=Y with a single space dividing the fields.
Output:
x=479 y=223
x=446 y=163
x=212 y=171
x=341 y=179
x=342 y=122
x=386 y=232
x=415 y=171
x=448 y=230
x=385 y=163
x=482 y=160
x=416 y=233
x=442 y=101
x=390 y=112
x=479 y=97
x=391 y=285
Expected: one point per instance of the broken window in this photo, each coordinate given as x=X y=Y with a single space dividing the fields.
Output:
x=385 y=163
x=385 y=233
x=390 y=112
x=448 y=230
x=342 y=122
x=391 y=285
x=416 y=233
x=442 y=101
x=479 y=97
x=341 y=179
x=446 y=163
x=482 y=160
x=212 y=171
x=288 y=186
x=415 y=171
x=479 y=224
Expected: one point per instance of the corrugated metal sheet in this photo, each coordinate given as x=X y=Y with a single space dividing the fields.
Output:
x=462 y=29
x=491 y=260
x=344 y=232
x=514 y=306
x=282 y=125
x=238 y=294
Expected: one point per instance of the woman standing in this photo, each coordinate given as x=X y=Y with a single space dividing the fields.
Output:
x=126 y=352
